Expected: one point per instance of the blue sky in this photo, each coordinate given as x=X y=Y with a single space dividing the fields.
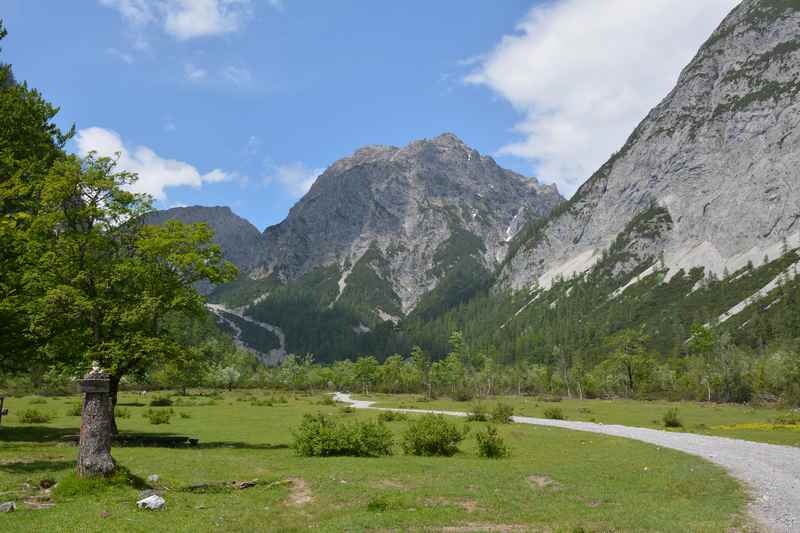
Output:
x=243 y=102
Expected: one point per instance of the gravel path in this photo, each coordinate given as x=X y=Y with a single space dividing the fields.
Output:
x=770 y=472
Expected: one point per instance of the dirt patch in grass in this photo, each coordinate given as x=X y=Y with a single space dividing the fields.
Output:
x=469 y=506
x=299 y=493
x=543 y=482
x=388 y=484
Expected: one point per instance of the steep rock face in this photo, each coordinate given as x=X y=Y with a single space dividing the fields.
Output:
x=393 y=222
x=721 y=154
x=241 y=242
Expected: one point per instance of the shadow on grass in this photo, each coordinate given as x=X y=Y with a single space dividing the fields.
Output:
x=35 y=433
x=34 y=467
x=240 y=445
x=47 y=434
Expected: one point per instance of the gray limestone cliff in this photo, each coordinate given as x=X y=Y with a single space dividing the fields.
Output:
x=720 y=154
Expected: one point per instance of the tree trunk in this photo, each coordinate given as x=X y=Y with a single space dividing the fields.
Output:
x=97 y=417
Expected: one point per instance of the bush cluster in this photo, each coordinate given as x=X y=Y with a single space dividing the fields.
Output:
x=322 y=436
x=34 y=416
x=502 y=413
x=76 y=409
x=490 y=444
x=161 y=401
x=122 y=412
x=554 y=413
x=158 y=416
x=431 y=435
x=392 y=416
x=477 y=413
x=671 y=419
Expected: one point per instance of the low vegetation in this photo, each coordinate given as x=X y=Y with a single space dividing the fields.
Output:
x=600 y=481
x=490 y=444
x=323 y=436
x=431 y=435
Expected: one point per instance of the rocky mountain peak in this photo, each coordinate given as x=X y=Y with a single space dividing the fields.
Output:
x=726 y=137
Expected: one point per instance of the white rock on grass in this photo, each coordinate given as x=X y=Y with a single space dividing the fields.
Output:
x=152 y=503
x=153 y=478
x=8 y=507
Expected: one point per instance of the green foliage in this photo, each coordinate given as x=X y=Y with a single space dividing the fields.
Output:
x=490 y=444
x=185 y=415
x=158 y=416
x=76 y=409
x=502 y=413
x=34 y=416
x=322 y=436
x=392 y=416
x=788 y=419
x=554 y=413
x=383 y=503
x=477 y=413
x=431 y=435
x=671 y=419
x=161 y=401
x=122 y=412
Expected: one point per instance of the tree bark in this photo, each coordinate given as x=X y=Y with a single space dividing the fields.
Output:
x=97 y=417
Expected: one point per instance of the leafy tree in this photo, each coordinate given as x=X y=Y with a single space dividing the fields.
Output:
x=628 y=353
x=29 y=144
x=100 y=282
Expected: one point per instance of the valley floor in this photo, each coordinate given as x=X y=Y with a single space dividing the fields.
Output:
x=772 y=473
x=555 y=480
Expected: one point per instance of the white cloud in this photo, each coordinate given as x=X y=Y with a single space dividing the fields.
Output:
x=155 y=173
x=294 y=178
x=185 y=19
x=193 y=73
x=237 y=75
x=585 y=72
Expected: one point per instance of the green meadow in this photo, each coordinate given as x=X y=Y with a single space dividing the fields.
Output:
x=554 y=480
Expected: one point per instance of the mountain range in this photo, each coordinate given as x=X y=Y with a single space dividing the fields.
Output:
x=696 y=219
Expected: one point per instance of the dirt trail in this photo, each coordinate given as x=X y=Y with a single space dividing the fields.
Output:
x=771 y=472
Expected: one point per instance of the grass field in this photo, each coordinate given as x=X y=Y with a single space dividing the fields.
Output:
x=555 y=480
x=724 y=420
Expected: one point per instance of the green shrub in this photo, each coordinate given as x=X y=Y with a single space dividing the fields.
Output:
x=490 y=444
x=383 y=503
x=322 y=436
x=463 y=395
x=261 y=403
x=477 y=413
x=184 y=414
x=431 y=435
x=502 y=413
x=392 y=416
x=158 y=416
x=161 y=401
x=787 y=419
x=38 y=401
x=325 y=400
x=554 y=413
x=671 y=419
x=122 y=412
x=34 y=416
x=76 y=409
x=347 y=410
